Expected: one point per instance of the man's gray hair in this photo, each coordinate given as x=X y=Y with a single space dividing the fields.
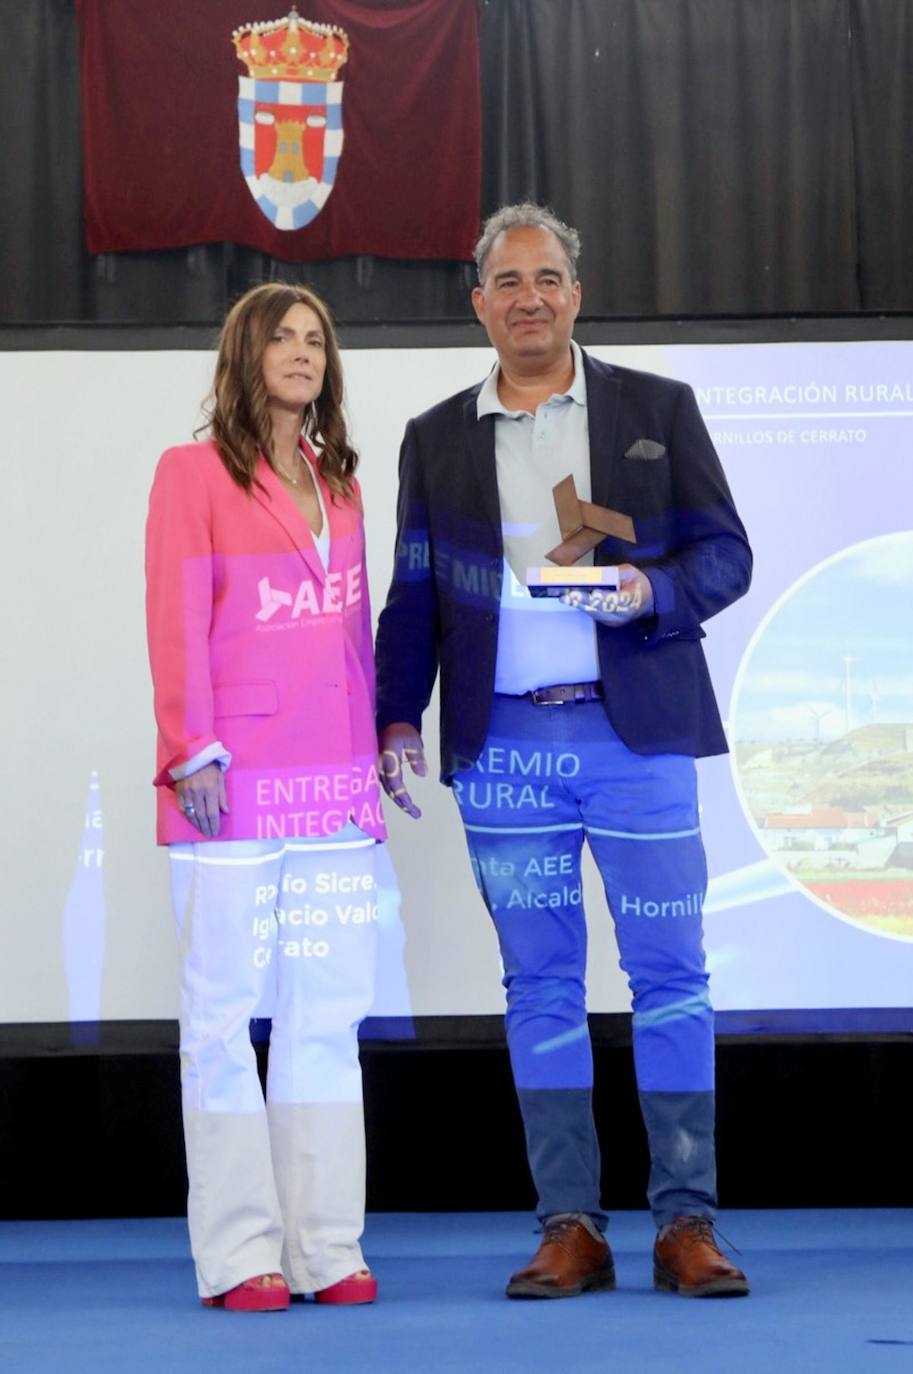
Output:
x=527 y=215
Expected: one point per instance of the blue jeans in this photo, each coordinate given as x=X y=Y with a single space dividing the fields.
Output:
x=547 y=777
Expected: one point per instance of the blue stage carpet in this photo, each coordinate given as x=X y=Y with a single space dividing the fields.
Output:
x=833 y=1292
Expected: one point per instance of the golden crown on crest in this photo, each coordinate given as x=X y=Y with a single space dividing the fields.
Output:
x=291 y=49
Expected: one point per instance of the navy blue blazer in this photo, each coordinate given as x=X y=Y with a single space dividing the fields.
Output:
x=443 y=605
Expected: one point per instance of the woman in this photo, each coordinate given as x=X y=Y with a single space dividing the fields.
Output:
x=260 y=644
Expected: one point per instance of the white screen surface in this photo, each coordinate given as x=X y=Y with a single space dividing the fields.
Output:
x=815 y=440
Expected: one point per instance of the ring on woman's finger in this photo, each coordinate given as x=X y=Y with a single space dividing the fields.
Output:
x=190 y=809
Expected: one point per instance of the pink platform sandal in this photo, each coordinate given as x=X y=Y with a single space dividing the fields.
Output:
x=356 y=1288
x=254 y=1295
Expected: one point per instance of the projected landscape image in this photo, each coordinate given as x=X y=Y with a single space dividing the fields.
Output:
x=823 y=727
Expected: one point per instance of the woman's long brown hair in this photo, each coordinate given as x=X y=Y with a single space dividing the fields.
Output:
x=237 y=412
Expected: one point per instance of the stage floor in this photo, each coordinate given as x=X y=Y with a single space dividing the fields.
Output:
x=832 y=1291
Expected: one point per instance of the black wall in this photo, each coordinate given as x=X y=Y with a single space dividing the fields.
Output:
x=801 y=1124
x=718 y=156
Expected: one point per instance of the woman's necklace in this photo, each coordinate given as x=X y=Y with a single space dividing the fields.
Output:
x=295 y=481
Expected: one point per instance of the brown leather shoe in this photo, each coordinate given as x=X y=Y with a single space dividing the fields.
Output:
x=569 y=1261
x=687 y=1260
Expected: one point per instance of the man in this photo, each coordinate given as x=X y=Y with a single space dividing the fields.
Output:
x=572 y=718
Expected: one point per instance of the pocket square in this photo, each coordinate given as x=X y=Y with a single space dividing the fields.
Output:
x=647 y=449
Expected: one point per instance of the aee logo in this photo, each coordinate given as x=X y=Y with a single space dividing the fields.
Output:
x=271 y=599
x=338 y=591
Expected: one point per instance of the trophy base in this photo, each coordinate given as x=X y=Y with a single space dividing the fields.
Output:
x=554 y=581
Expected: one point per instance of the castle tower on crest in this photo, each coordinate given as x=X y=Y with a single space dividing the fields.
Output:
x=289 y=163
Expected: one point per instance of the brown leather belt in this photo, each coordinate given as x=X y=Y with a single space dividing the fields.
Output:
x=566 y=692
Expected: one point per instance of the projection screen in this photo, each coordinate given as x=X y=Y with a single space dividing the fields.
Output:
x=808 y=822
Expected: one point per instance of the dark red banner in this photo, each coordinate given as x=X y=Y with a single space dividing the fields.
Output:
x=347 y=126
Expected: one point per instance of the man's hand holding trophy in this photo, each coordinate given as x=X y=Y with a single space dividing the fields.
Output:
x=613 y=595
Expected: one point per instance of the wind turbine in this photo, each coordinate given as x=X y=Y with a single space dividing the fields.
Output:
x=848 y=692
x=818 y=714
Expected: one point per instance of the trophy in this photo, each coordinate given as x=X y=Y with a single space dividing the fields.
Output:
x=583 y=525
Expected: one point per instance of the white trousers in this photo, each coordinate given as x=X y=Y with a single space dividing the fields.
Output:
x=288 y=929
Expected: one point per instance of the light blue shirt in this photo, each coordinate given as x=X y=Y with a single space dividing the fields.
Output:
x=540 y=641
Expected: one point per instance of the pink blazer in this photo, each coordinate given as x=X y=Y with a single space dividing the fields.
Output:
x=253 y=644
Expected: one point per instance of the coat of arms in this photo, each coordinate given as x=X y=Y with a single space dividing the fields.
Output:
x=290 y=115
